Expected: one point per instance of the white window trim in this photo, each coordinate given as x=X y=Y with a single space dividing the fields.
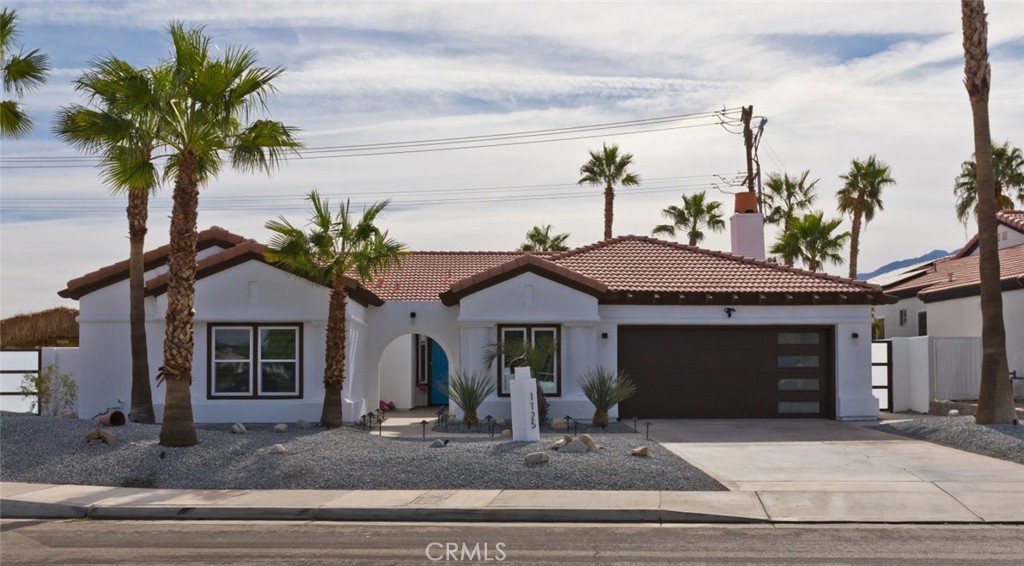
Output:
x=255 y=362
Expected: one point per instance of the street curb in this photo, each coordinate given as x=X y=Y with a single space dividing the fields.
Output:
x=16 y=509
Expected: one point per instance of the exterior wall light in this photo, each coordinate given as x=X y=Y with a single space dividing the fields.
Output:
x=729 y=311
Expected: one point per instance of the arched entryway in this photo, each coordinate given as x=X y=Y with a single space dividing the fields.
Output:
x=413 y=372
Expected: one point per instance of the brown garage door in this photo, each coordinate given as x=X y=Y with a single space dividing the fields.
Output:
x=735 y=373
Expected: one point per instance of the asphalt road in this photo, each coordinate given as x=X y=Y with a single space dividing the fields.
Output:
x=215 y=542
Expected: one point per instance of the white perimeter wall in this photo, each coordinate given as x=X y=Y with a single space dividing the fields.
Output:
x=962 y=318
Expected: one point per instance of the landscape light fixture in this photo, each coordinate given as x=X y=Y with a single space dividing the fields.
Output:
x=423 y=423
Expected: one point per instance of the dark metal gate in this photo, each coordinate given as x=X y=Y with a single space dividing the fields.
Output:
x=881 y=373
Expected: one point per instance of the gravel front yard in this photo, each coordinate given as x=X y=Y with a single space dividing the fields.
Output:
x=1005 y=441
x=53 y=450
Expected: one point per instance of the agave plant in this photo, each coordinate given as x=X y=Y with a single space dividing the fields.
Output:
x=468 y=390
x=605 y=390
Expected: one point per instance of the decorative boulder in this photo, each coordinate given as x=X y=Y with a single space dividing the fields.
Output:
x=100 y=436
x=238 y=428
x=535 y=458
x=953 y=413
x=279 y=449
x=499 y=422
x=437 y=443
x=69 y=415
x=567 y=438
x=559 y=424
x=558 y=444
x=302 y=424
x=573 y=448
x=281 y=428
x=588 y=441
x=643 y=451
x=507 y=433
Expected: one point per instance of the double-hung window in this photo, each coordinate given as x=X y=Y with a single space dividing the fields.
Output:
x=537 y=340
x=255 y=360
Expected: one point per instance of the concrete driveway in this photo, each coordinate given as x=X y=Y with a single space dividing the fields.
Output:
x=813 y=469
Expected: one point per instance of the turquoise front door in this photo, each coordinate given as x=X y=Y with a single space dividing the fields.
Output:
x=438 y=364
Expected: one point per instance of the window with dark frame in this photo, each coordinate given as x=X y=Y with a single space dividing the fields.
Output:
x=254 y=361
x=549 y=379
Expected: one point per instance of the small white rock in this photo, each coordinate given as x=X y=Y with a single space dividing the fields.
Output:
x=279 y=448
x=302 y=424
x=558 y=444
x=437 y=444
x=281 y=427
x=238 y=428
x=589 y=442
x=559 y=424
x=953 y=413
x=507 y=433
x=643 y=451
x=499 y=422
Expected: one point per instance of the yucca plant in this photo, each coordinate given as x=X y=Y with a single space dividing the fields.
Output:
x=468 y=390
x=605 y=390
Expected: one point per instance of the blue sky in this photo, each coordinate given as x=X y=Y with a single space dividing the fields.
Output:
x=836 y=80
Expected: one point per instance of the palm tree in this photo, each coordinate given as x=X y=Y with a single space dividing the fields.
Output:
x=608 y=168
x=21 y=72
x=209 y=102
x=120 y=124
x=785 y=197
x=995 y=396
x=1008 y=173
x=812 y=240
x=697 y=212
x=860 y=197
x=540 y=356
x=539 y=239
x=335 y=249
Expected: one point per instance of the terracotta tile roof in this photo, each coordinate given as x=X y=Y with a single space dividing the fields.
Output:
x=628 y=269
x=648 y=265
x=1011 y=218
x=250 y=250
x=423 y=276
x=514 y=267
x=104 y=276
x=935 y=284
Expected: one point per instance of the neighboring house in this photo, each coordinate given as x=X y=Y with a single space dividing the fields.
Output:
x=704 y=334
x=942 y=299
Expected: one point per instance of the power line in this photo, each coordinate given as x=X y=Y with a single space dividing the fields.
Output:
x=426 y=145
x=280 y=203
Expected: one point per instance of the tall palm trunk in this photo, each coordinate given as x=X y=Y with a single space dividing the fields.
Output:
x=142 y=393
x=178 y=427
x=855 y=237
x=995 y=398
x=334 y=362
x=609 y=201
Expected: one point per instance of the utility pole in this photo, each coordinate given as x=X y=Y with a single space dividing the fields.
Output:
x=746 y=113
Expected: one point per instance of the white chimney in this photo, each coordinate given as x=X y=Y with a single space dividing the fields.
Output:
x=746 y=227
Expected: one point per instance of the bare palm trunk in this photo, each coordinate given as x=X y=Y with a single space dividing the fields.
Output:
x=334 y=362
x=178 y=427
x=609 y=211
x=855 y=237
x=995 y=398
x=142 y=393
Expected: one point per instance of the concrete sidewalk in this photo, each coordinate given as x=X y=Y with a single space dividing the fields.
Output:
x=870 y=502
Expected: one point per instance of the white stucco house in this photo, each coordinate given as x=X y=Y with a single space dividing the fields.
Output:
x=942 y=299
x=704 y=334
